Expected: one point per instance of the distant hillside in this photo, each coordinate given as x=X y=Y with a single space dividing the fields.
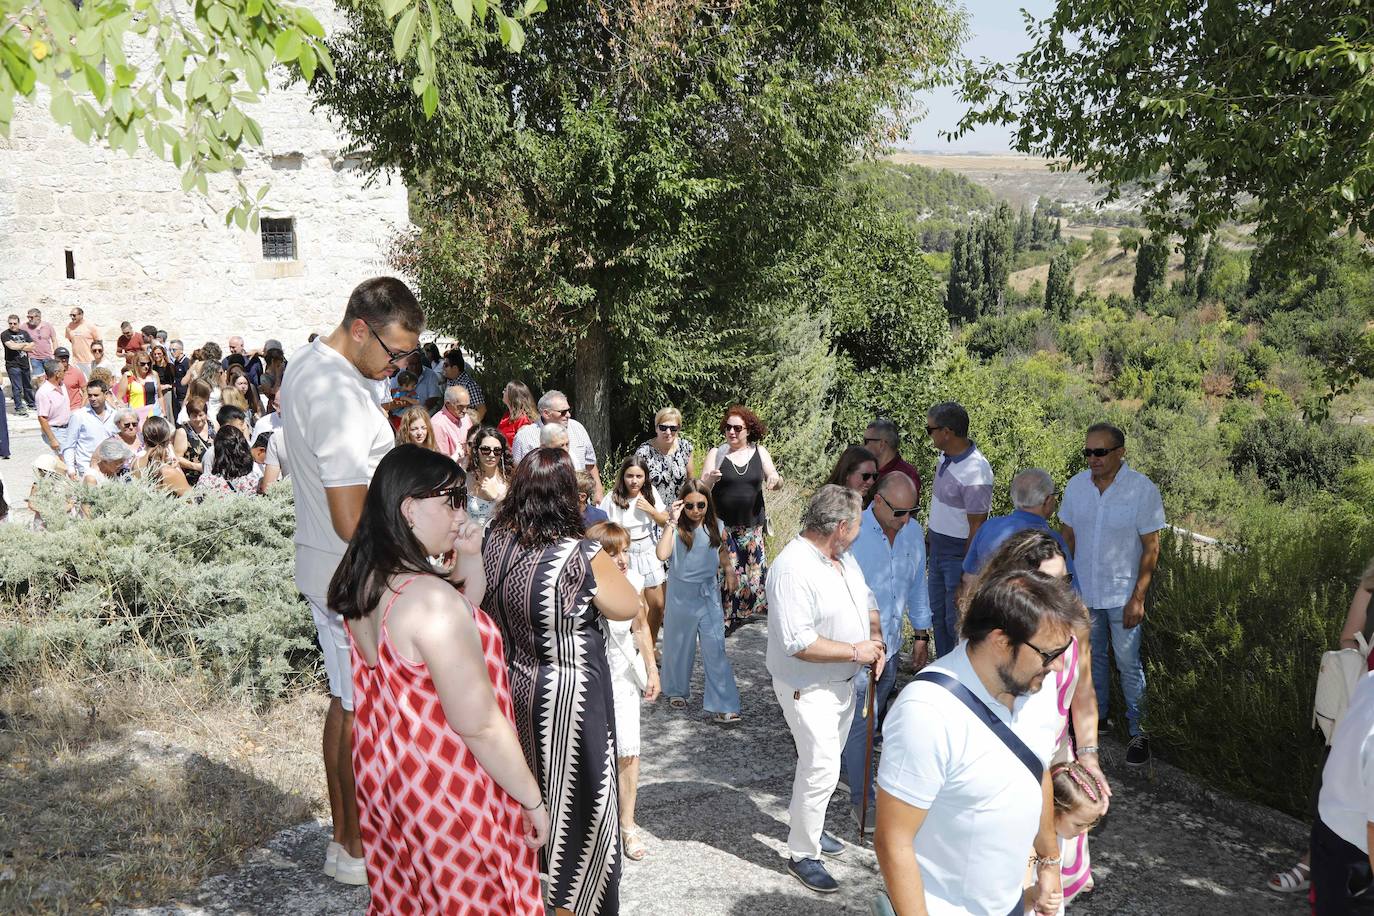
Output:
x=1020 y=180
x=936 y=202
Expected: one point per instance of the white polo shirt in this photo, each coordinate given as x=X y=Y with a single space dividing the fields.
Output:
x=1106 y=530
x=1346 y=802
x=335 y=437
x=982 y=804
x=807 y=599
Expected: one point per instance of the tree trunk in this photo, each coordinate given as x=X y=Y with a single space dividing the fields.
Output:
x=593 y=384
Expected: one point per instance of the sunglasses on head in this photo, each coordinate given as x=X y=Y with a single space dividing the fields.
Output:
x=899 y=513
x=667 y=428
x=457 y=496
x=1049 y=657
x=1099 y=452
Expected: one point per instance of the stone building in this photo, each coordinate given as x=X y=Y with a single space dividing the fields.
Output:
x=82 y=225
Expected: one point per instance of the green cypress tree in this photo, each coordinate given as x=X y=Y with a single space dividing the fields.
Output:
x=1192 y=255
x=1059 y=293
x=1211 y=263
x=1023 y=230
x=1151 y=265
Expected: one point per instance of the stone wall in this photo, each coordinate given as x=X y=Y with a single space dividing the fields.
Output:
x=148 y=253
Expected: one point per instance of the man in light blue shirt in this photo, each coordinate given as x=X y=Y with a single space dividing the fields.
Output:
x=88 y=427
x=1033 y=494
x=1111 y=518
x=891 y=552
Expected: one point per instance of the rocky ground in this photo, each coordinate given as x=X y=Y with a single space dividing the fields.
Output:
x=714 y=803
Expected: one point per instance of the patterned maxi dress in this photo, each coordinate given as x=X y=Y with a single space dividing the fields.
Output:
x=441 y=837
x=564 y=710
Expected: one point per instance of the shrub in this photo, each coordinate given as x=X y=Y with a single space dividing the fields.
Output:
x=1292 y=457
x=156 y=585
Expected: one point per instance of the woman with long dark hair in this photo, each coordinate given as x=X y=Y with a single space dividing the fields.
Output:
x=633 y=504
x=550 y=586
x=233 y=470
x=857 y=469
x=489 y=470
x=449 y=812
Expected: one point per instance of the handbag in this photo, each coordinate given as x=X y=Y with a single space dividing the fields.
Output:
x=1340 y=670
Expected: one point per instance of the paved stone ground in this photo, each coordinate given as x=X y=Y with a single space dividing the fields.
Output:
x=714 y=802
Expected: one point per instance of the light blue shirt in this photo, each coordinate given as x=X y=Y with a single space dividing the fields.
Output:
x=429 y=385
x=85 y=431
x=896 y=574
x=1107 y=528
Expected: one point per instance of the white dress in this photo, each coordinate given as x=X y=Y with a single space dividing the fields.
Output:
x=620 y=652
x=643 y=539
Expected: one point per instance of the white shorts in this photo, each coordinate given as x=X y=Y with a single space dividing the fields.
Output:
x=338 y=657
x=644 y=561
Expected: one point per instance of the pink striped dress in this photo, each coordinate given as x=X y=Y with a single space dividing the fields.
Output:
x=1076 y=870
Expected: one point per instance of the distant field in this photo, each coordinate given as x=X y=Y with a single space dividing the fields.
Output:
x=1020 y=180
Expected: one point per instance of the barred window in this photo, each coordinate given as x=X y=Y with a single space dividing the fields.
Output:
x=279 y=239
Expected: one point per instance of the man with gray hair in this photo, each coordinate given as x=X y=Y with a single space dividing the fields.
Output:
x=823 y=628
x=1035 y=497
x=554 y=410
x=453 y=423
x=882 y=439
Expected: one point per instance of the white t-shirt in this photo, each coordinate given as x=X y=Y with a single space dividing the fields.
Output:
x=632 y=518
x=269 y=423
x=982 y=804
x=335 y=437
x=1346 y=802
x=276 y=454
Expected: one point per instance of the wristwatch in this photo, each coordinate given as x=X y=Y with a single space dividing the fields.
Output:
x=922 y=636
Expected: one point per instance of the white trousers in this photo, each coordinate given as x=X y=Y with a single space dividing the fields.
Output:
x=819 y=718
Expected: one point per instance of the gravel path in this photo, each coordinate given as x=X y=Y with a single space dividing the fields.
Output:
x=714 y=803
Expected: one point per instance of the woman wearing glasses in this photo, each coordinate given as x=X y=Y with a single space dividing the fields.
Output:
x=667 y=455
x=736 y=474
x=489 y=468
x=126 y=427
x=857 y=470
x=450 y=815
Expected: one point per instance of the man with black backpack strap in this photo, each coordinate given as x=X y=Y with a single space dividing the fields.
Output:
x=963 y=794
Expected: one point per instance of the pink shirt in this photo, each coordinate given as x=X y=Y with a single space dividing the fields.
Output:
x=450 y=435
x=43 y=340
x=53 y=404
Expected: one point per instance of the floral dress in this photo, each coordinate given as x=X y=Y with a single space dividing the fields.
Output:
x=667 y=473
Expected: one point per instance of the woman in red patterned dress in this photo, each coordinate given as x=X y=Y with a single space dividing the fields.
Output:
x=451 y=817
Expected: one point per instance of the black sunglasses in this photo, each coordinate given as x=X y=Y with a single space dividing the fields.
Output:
x=457 y=496
x=490 y=449
x=930 y=429
x=700 y=505
x=667 y=428
x=393 y=356
x=560 y=413
x=1099 y=452
x=1049 y=657
x=869 y=475
x=898 y=512
x=868 y=439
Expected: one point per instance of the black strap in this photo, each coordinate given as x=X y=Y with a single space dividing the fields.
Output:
x=989 y=718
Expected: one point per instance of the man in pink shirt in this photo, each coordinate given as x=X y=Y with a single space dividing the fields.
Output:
x=54 y=408
x=44 y=339
x=453 y=423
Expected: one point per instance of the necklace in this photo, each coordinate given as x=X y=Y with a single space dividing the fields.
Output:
x=741 y=471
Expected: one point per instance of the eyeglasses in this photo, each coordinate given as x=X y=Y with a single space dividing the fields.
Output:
x=930 y=430
x=129 y=425
x=899 y=513
x=74 y=316
x=667 y=428
x=490 y=449
x=1049 y=657
x=868 y=439
x=735 y=427
x=457 y=496
x=145 y=365
x=97 y=349
x=700 y=505
x=566 y=411
x=1099 y=452
x=393 y=356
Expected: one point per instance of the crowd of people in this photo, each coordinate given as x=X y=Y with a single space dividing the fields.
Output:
x=492 y=618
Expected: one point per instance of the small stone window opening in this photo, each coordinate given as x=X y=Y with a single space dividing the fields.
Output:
x=279 y=239
x=71 y=264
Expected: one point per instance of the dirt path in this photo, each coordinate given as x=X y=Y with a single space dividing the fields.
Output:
x=714 y=802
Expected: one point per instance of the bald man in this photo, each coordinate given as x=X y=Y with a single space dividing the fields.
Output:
x=891 y=552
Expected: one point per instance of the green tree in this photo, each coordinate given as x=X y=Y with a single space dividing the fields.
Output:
x=963 y=298
x=1023 y=230
x=999 y=243
x=1192 y=254
x=1203 y=106
x=1207 y=278
x=1151 y=266
x=1059 y=287
x=187 y=94
x=605 y=206
x=1100 y=242
x=1129 y=238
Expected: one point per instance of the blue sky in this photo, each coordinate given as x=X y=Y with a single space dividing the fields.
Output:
x=996 y=30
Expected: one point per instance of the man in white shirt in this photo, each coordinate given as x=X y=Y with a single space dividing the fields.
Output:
x=1111 y=516
x=335 y=435
x=823 y=627
x=959 y=806
x=1343 y=834
x=891 y=552
x=553 y=408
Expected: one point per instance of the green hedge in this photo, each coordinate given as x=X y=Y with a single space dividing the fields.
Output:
x=1234 y=640
x=156 y=586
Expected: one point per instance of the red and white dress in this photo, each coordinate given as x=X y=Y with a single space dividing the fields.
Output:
x=440 y=836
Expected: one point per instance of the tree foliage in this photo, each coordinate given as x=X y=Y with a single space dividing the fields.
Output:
x=1151 y=267
x=1201 y=105
x=1059 y=286
x=605 y=205
x=181 y=83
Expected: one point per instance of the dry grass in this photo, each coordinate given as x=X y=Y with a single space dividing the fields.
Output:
x=133 y=791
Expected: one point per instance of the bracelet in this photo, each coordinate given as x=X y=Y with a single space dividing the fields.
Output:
x=537 y=806
x=1088 y=749
x=854 y=652
x=1041 y=862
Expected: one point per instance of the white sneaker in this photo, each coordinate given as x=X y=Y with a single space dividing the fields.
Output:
x=350 y=870
x=331 y=858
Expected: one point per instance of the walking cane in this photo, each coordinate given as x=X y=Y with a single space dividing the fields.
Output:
x=868 y=754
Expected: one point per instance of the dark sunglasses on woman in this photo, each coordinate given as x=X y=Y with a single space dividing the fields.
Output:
x=457 y=496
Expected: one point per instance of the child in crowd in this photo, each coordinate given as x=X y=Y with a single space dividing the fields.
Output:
x=694 y=543
x=631 y=659
x=1078 y=802
x=586 y=489
x=403 y=396
x=633 y=504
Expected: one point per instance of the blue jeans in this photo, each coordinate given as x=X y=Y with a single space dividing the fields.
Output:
x=35 y=368
x=686 y=621
x=21 y=385
x=856 y=745
x=1125 y=645
x=945 y=563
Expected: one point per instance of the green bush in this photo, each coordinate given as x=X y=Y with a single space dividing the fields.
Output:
x=1233 y=644
x=156 y=586
x=1292 y=457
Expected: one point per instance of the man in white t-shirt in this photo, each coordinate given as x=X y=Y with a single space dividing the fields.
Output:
x=335 y=435
x=958 y=808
